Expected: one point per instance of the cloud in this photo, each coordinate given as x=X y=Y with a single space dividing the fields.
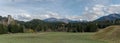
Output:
x=78 y=18
x=42 y=9
x=18 y=14
x=98 y=11
x=23 y=17
x=113 y=9
x=90 y=13
x=93 y=13
x=49 y=14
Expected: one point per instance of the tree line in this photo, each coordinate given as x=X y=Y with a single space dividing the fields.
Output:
x=91 y=26
x=37 y=25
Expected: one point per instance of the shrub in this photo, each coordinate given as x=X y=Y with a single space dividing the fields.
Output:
x=29 y=31
x=3 y=29
x=15 y=28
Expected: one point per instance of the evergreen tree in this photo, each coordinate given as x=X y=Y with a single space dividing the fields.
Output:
x=3 y=29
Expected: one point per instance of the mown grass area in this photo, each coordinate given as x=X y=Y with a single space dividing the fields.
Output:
x=48 y=37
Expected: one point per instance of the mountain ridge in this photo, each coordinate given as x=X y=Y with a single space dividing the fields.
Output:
x=109 y=17
x=65 y=20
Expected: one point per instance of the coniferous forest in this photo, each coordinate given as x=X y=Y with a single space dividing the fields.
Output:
x=37 y=25
x=92 y=26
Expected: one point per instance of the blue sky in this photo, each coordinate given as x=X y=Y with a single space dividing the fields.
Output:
x=71 y=9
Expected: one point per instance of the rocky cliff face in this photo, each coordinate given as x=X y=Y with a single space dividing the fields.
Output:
x=7 y=20
x=10 y=20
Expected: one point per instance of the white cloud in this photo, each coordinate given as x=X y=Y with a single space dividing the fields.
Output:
x=23 y=17
x=18 y=14
x=99 y=10
x=90 y=14
x=113 y=9
x=93 y=13
x=49 y=14
x=96 y=9
x=86 y=8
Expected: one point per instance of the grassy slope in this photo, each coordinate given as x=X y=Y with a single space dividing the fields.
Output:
x=52 y=37
x=110 y=34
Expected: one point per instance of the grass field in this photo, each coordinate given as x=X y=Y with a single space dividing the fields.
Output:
x=48 y=37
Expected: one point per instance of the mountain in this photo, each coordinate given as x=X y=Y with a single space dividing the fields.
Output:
x=109 y=17
x=51 y=20
x=58 y=20
x=65 y=20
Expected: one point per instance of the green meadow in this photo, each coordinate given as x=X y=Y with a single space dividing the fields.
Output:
x=49 y=37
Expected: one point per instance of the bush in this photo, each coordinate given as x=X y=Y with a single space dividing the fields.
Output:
x=15 y=28
x=3 y=29
x=29 y=31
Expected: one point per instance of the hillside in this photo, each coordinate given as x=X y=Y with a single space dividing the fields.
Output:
x=110 y=17
x=111 y=33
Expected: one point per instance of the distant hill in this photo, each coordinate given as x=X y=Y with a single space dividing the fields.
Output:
x=57 y=20
x=51 y=20
x=109 y=17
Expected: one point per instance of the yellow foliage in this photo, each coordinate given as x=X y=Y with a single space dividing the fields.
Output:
x=29 y=31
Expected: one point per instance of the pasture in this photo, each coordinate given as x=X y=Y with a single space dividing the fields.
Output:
x=49 y=37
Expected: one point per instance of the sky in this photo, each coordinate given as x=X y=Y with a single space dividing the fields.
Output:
x=89 y=10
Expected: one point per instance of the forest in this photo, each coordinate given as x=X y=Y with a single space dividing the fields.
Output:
x=37 y=25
